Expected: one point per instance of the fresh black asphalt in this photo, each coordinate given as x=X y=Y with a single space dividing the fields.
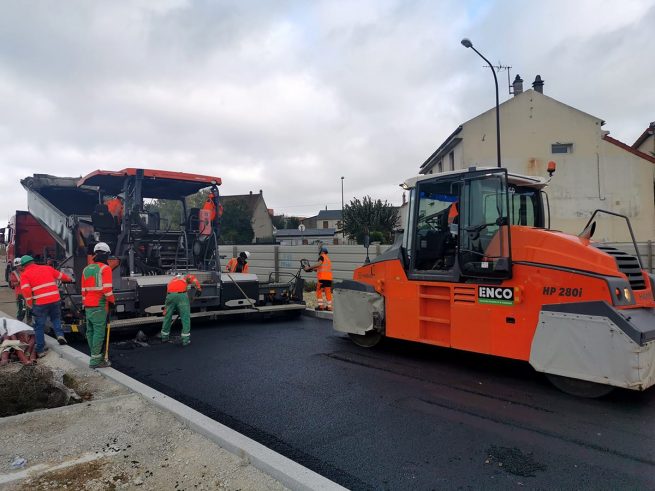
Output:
x=401 y=415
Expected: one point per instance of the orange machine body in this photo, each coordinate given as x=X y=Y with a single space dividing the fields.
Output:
x=547 y=268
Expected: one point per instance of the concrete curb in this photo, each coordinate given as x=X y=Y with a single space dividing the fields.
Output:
x=284 y=470
x=319 y=314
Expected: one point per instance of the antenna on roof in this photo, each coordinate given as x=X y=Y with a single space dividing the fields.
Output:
x=499 y=68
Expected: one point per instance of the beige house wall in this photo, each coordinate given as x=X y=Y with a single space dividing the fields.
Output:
x=261 y=222
x=596 y=174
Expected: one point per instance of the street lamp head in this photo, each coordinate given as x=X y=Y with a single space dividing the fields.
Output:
x=466 y=42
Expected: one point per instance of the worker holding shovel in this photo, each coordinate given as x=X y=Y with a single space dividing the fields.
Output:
x=97 y=297
x=177 y=300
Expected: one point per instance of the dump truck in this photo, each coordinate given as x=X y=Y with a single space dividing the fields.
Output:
x=25 y=235
x=147 y=248
x=479 y=269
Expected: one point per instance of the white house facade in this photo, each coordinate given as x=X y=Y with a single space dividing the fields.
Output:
x=594 y=170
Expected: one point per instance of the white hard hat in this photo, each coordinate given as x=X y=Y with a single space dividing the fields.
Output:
x=102 y=247
x=247 y=254
x=17 y=262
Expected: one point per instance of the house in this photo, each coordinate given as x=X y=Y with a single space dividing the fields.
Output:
x=260 y=219
x=290 y=236
x=327 y=219
x=594 y=170
x=646 y=142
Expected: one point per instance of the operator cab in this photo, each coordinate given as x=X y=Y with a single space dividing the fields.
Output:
x=458 y=223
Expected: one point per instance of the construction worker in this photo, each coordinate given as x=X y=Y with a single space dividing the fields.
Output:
x=323 y=270
x=39 y=287
x=14 y=282
x=178 y=300
x=97 y=299
x=238 y=264
x=453 y=213
x=210 y=205
x=115 y=207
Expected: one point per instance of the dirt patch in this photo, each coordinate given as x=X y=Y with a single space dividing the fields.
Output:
x=310 y=299
x=81 y=476
x=81 y=389
x=30 y=388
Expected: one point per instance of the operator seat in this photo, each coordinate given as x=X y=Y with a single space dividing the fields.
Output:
x=193 y=223
x=105 y=224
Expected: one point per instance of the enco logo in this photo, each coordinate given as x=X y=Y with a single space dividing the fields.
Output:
x=496 y=295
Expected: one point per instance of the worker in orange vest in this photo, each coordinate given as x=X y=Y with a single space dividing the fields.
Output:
x=14 y=282
x=39 y=287
x=238 y=264
x=178 y=300
x=323 y=270
x=211 y=206
x=453 y=213
x=115 y=207
x=97 y=298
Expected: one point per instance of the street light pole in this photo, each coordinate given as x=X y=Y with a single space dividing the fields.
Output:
x=342 y=233
x=341 y=197
x=468 y=44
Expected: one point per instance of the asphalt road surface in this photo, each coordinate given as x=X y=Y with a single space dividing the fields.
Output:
x=402 y=415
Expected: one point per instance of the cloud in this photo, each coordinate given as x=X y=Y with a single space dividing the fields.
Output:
x=289 y=96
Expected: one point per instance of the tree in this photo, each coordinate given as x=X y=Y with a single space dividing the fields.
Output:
x=170 y=210
x=368 y=217
x=285 y=222
x=235 y=225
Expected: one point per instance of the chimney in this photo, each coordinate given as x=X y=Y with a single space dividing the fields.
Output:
x=538 y=84
x=250 y=193
x=260 y=191
x=517 y=86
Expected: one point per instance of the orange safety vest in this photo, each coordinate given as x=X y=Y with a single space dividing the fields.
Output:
x=233 y=266
x=179 y=285
x=324 y=271
x=38 y=284
x=452 y=213
x=209 y=205
x=115 y=207
x=97 y=285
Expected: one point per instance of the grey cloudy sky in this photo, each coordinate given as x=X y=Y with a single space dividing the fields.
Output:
x=288 y=96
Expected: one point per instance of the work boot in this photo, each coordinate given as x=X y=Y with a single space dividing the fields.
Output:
x=41 y=354
x=61 y=340
x=165 y=340
x=103 y=364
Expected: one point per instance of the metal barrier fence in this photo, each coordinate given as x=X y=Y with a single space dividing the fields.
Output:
x=280 y=261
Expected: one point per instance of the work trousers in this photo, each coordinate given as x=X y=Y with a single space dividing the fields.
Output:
x=96 y=327
x=21 y=310
x=41 y=314
x=324 y=286
x=177 y=302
